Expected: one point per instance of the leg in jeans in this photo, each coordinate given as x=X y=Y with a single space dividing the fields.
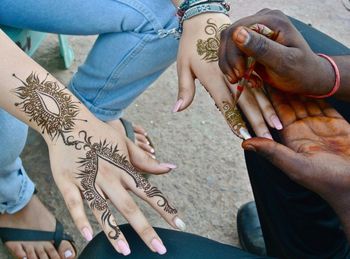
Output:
x=179 y=245
x=297 y=223
x=135 y=44
x=16 y=189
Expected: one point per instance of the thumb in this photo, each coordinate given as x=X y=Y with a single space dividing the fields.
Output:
x=291 y=163
x=144 y=162
x=265 y=51
x=187 y=88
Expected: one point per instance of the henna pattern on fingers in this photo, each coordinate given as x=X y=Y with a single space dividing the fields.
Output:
x=54 y=111
x=233 y=117
x=209 y=48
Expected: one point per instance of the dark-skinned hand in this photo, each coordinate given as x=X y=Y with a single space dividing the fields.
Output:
x=316 y=150
x=288 y=63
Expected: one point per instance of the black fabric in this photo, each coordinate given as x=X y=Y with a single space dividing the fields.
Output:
x=296 y=222
x=14 y=234
x=179 y=245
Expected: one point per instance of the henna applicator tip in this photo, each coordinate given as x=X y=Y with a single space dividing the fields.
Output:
x=245 y=134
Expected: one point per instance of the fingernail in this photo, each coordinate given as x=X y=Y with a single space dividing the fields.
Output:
x=168 y=165
x=242 y=37
x=245 y=134
x=158 y=246
x=145 y=134
x=178 y=105
x=87 y=234
x=68 y=253
x=152 y=150
x=276 y=122
x=267 y=135
x=24 y=257
x=180 y=224
x=250 y=148
x=229 y=78
x=236 y=72
x=154 y=157
x=123 y=247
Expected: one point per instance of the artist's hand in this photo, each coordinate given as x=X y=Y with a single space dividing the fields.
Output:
x=94 y=162
x=316 y=150
x=198 y=59
x=288 y=63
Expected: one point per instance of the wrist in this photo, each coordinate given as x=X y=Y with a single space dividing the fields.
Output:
x=325 y=77
x=199 y=21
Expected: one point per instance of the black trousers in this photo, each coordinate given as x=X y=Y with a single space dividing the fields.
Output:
x=296 y=222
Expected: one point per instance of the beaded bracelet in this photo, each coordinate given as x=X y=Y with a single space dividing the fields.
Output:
x=222 y=7
x=190 y=3
x=336 y=86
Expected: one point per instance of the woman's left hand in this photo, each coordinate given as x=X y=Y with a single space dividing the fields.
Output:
x=198 y=59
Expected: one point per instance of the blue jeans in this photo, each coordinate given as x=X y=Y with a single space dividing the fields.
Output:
x=135 y=45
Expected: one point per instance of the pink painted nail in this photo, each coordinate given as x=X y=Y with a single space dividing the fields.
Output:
x=87 y=234
x=276 y=122
x=267 y=135
x=123 y=247
x=178 y=105
x=167 y=165
x=158 y=246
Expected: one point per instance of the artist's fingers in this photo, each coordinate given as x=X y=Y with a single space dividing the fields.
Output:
x=267 y=109
x=230 y=67
x=152 y=195
x=75 y=205
x=290 y=162
x=282 y=107
x=313 y=108
x=128 y=208
x=187 y=87
x=298 y=106
x=251 y=110
x=140 y=159
x=328 y=110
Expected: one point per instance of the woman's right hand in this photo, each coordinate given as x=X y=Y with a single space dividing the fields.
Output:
x=288 y=63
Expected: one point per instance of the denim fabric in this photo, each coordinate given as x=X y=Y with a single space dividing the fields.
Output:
x=135 y=45
x=16 y=188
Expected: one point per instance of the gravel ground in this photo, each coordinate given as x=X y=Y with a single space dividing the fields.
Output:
x=211 y=180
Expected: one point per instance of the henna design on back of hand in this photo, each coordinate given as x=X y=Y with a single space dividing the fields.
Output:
x=209 y=47
x=54 y=111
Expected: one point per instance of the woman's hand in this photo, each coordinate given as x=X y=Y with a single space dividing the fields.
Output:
x=198 y=59
x=288 y=63
x=316 y=150
x=91 y=161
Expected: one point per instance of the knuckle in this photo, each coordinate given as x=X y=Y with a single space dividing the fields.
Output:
x=147 y=231
x=277 y=13
x=73 y=203
x=128 y=209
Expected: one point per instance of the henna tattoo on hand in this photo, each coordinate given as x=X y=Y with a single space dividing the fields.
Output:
x=209 y=48
x=47 y=105
x=54 y=111
x=233 y=117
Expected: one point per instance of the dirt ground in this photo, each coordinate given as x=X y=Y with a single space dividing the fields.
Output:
x=210 y=182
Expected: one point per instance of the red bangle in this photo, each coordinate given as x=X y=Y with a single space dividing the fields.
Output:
x=337 y=79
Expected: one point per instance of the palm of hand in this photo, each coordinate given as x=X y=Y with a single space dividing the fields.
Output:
x=320 y=138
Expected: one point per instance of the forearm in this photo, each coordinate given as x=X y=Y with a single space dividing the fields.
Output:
x=343 y=63
x=29 y=93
